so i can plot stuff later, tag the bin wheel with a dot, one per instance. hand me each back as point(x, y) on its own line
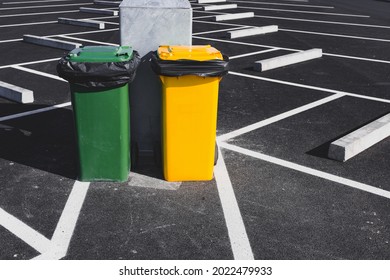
point(157, 154)
point(134, 155)
point(216, 154)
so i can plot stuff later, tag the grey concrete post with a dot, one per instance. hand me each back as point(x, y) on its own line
point(145, 25)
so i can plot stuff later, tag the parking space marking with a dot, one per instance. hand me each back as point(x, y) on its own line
point(253, 53)
point(27, 24)
point(303, 12)
point(335, 35)
point(217, 31)
point(67, 222)
point(235, 225)
point(38, 14)
point(50, 22)
point(84, 32)
point(11, 41)
point(39, 1)
point(29, 63)
point(283, 4)
point(310, 87)
point(307, 170)
point(279, 117)
point(88, 41)
point(24, 232)
point(44, 6)
point(33, 112)
point(56, 35)
point(301, 31)
point(327, 22)
point(290, 49)
point(310, 20)
point(40, 73)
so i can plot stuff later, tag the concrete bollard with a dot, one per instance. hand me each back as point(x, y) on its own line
point(145, 25)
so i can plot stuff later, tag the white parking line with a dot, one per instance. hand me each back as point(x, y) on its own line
point(289, 49)
point(24, 232)
point(310, 171)
point(84, 32)
point(252, 53)
point(86, 40)
point(53, 21)
point(40, 73)
point(311, 87)
point(45, 6)
point(235, 225)
point(283, 4)
point(33, 112)
point(216, 31)
point(29, 63)
point(299, 31)
point(303, 12)
point(309, 20)
point(40, 1)
point(38, 14)
point(67, 223)
point(279, 117)
point(55, 35)
point(27, 24)
point(327, 22)
point(335, 35)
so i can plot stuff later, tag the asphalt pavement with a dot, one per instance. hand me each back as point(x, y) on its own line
point(275, 193)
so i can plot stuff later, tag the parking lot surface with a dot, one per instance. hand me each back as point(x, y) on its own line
point(275, 194)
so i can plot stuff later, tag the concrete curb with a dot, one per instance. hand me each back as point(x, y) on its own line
point(234, 16)
point(220, 7)
point(252, 31)
point(98, 11)
point(360, 140)
point(82, 22)
point(107, 3)
point(284, 60)
point(210, 1)
point(16, 93)
point(54, 43)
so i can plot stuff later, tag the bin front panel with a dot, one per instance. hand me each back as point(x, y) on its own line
point(103, 133)
point(189, 127)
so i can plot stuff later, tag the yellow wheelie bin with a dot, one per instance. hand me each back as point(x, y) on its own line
point(190, 78)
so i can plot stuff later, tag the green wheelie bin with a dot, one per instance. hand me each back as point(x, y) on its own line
point(98, 78)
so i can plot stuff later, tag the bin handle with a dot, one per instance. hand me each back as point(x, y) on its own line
point(121, 52)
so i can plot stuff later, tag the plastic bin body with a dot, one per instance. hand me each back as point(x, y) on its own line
point(102, 120)
point(190, 105)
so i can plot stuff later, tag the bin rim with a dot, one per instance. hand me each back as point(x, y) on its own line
point(186, 67)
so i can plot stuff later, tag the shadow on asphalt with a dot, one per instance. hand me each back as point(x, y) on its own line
point(44, 141)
